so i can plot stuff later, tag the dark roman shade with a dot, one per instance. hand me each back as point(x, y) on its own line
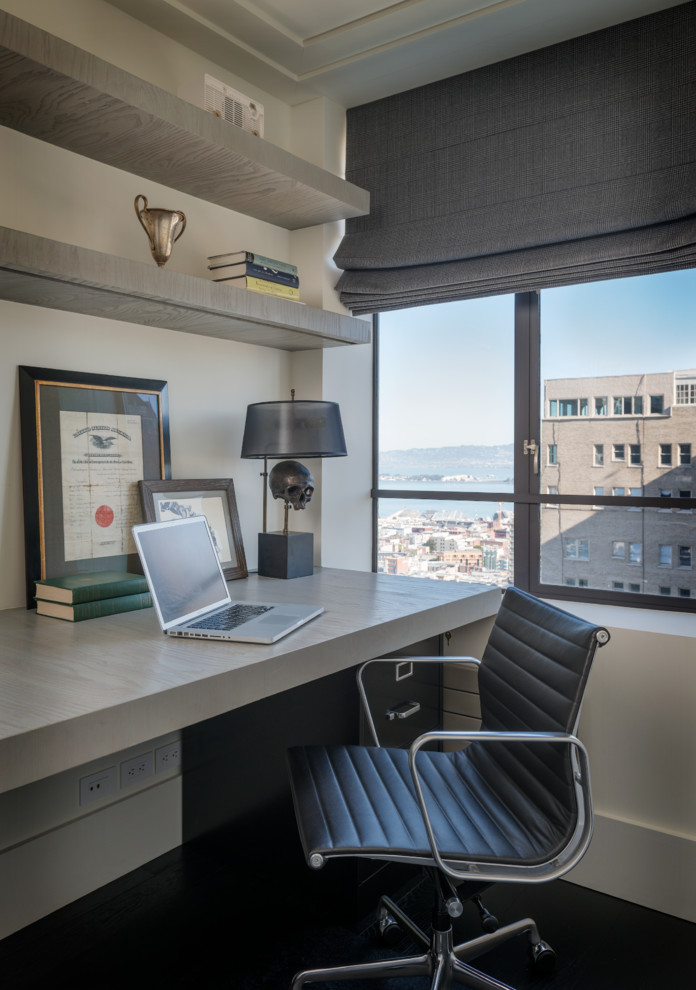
point(569, 164)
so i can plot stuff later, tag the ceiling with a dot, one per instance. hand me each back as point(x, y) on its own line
point(355, 51)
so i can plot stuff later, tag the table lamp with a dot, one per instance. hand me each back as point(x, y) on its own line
point(290, 429)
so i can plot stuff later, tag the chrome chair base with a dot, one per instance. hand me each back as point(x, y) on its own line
point(445, 963)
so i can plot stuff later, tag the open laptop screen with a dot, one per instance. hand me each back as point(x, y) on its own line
point(182, 569)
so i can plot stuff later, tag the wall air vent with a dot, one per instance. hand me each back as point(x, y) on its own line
point(233, 106)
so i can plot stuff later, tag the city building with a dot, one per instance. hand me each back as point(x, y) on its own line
point(627, 436)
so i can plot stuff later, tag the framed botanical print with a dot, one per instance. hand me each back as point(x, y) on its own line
point(213, 499)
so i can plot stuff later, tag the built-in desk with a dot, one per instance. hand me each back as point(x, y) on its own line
point(71, 693)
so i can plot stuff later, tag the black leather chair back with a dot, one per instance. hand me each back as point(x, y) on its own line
point(531, 678)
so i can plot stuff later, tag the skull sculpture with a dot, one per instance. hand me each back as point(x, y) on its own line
point(292, 482)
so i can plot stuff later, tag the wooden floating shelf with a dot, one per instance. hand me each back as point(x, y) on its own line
point(42, 272)
point(61, 94)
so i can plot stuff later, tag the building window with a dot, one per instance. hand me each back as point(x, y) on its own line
point(685, 556)
point(618, 451)
point(665, 555)
point(598, 456)
point(686, 394)
point(634, 588)
point(552, 454)
point(617, 585)
point(634, 449)
point(665, 589)
point(665, 454)
point(685, 493)
point(553, 407)
point(657, 404)
point(600, 405)
point(575, 549)
point(567, 407)
point(618, 491)
point(618, 549)
point(628, 405)
point(635, 553)
point(684, 593)
point(685, 453)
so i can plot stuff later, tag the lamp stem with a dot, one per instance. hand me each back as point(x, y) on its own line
point(265, 491)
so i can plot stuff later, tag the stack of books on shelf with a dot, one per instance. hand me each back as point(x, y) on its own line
point(87, 596)
point(247, 270)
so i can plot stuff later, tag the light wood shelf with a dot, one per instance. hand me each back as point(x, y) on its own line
point(61, 94)
point(41, 272)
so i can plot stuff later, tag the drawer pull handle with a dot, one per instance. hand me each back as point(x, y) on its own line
point(404, 710)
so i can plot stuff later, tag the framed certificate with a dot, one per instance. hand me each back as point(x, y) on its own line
point(87, 440)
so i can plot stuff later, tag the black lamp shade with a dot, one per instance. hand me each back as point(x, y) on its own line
point(296, 428)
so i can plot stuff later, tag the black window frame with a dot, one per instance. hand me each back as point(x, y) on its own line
point(527, 498)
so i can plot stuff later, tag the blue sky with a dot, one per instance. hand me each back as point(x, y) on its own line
point(447, 371)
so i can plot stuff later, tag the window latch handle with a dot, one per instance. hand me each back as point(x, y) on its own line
point(532, 447)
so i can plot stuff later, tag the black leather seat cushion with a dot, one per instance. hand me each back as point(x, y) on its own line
point(358, 799)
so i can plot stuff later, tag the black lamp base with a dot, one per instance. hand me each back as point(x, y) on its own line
point(286, 555)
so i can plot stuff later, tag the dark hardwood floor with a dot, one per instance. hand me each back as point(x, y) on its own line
point(202, 918)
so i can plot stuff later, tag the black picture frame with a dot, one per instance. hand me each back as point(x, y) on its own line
point(213, 498)
point(61, 536)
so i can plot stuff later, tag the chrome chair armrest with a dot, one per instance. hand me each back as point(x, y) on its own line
point(364, 701)
point(511, 871)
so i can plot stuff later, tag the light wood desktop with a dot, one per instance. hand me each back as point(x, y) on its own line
point(71, 693)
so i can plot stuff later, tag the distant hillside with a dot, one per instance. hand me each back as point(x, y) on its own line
point(467, 459)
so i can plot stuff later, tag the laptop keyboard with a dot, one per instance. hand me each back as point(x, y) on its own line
point(230, 618)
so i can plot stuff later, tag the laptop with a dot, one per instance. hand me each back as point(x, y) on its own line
point(191, 596)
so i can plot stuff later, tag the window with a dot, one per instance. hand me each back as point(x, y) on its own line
point(628, 405)
point(686, 394)
point(685, 453)
point(665, 589)
point(575, 549)
point(456, 453)
point(634, 587)
point(618, 549)
point(684, 592)
point(665, 556)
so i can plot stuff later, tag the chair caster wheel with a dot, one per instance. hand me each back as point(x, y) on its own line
point(390, 932)
point(543, 957)
point(490, 924)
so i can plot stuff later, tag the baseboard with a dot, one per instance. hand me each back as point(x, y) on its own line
point(644, 865)
point(53, 869)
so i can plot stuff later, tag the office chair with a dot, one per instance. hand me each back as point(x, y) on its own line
point(513, 803)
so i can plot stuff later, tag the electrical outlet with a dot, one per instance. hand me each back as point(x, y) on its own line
point(168, 757)
point(136, 769)
point(98, 785)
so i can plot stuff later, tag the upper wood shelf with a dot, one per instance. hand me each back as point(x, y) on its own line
point(42, 272)
point(61, 94)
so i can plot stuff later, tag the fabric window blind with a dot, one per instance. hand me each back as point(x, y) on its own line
point(569, 164)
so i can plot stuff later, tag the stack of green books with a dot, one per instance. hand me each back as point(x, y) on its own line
point(87, 596)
